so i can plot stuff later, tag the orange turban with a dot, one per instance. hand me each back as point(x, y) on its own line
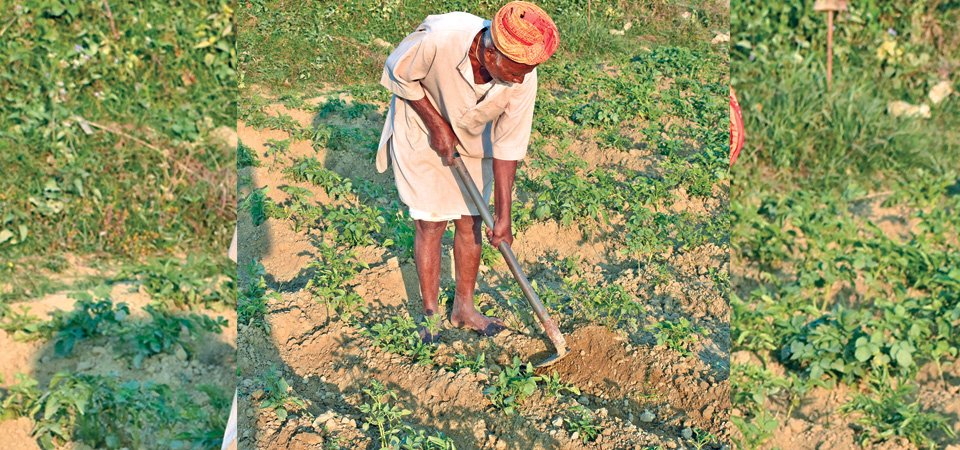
point(524, 33)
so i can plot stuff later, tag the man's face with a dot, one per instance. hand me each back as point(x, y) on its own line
point(504, 70)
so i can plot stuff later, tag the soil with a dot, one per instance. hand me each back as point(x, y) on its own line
point(641, 394)
point(213, 362)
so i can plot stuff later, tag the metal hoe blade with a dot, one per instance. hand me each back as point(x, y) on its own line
point(548, 325)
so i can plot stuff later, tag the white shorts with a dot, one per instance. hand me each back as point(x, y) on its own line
point(416, 214)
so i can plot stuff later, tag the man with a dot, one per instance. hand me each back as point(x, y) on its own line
point(462, 85)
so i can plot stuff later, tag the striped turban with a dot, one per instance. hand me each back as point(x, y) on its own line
point(524, 33)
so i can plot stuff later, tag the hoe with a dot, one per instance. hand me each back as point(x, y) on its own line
point(548, 325)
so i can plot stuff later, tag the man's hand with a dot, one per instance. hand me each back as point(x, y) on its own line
point(442, 138)
point(502, 232)
point(444, 141)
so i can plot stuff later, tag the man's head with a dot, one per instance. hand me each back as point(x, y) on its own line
point(521, 36)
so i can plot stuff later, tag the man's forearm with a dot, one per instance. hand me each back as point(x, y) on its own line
point(431, 117)
point(504, 173)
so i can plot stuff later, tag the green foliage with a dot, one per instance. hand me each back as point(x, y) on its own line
point(279, 396)
point(400, 335)
point(333, 271)
point(581, 421)
point(76, 90)
point(194, 282)
point(754, 432)
point(252, 302)
point(260, 206)
point(512, 386)
point(104, 412)
point(89, 318)
point(387, 419)
point(357, 225)
point(246, 156)
point(678, 336)
point(554, 386)
point(20, 399)
point(165, 333)
point(462, 361)
point(888, 413)
point(608, 305)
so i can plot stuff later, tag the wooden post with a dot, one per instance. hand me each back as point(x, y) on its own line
point(829, 48)
point(830, 6)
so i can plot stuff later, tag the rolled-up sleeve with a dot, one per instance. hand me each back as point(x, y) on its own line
point(408, 64)
point(511, 136)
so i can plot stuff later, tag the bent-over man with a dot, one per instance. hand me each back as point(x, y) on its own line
point(464, 85)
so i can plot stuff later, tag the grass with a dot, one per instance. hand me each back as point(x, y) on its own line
point(107, 136)
point(828, 287)
point(111, 133)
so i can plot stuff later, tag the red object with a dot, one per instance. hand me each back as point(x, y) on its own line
point(736, 128)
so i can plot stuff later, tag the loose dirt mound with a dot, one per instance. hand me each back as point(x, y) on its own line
point(639, 393)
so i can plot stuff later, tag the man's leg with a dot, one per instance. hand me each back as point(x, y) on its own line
point(466, 253)
point(426, 253)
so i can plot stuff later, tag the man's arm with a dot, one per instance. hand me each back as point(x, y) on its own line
point(504, 173)
point(442, 138)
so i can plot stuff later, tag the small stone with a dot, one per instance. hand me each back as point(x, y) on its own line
point(258, 394)
point(382, 42)
point(602, 412)
point(583, 400)
point(647, 416)
point(558, 422)
point(575, 436)
point(393, 263)
point(324, 418)
point(181, 354)
point(84, 365)
point(671, 444)
point(720, 38)
point(940, 92)
point(687, 433)
point(500, 445)
point(708, 412)
point(246, 383)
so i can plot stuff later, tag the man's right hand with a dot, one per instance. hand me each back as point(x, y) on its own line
point(444, 141)
point(442, 138)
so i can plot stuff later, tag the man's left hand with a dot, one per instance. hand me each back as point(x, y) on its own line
point(501, 232)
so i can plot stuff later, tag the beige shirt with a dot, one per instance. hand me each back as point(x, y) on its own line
point(432, 62)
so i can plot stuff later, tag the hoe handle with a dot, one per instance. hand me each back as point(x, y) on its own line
point(548, 325)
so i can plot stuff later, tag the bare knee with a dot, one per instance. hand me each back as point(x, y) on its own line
point(427, 228)
point(468, 227)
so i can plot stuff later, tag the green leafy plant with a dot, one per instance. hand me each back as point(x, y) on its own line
point(462, 361)
point(400, 335)
point(677, 336)
point(164, 333)
point(89, 318)
point(383, 415)
point(887, 412)
point(252, 302)
point(278, 395)
point(333, 271)
point(581, 421)
point(512, 386)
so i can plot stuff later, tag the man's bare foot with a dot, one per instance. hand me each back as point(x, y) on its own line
point(473, 320)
